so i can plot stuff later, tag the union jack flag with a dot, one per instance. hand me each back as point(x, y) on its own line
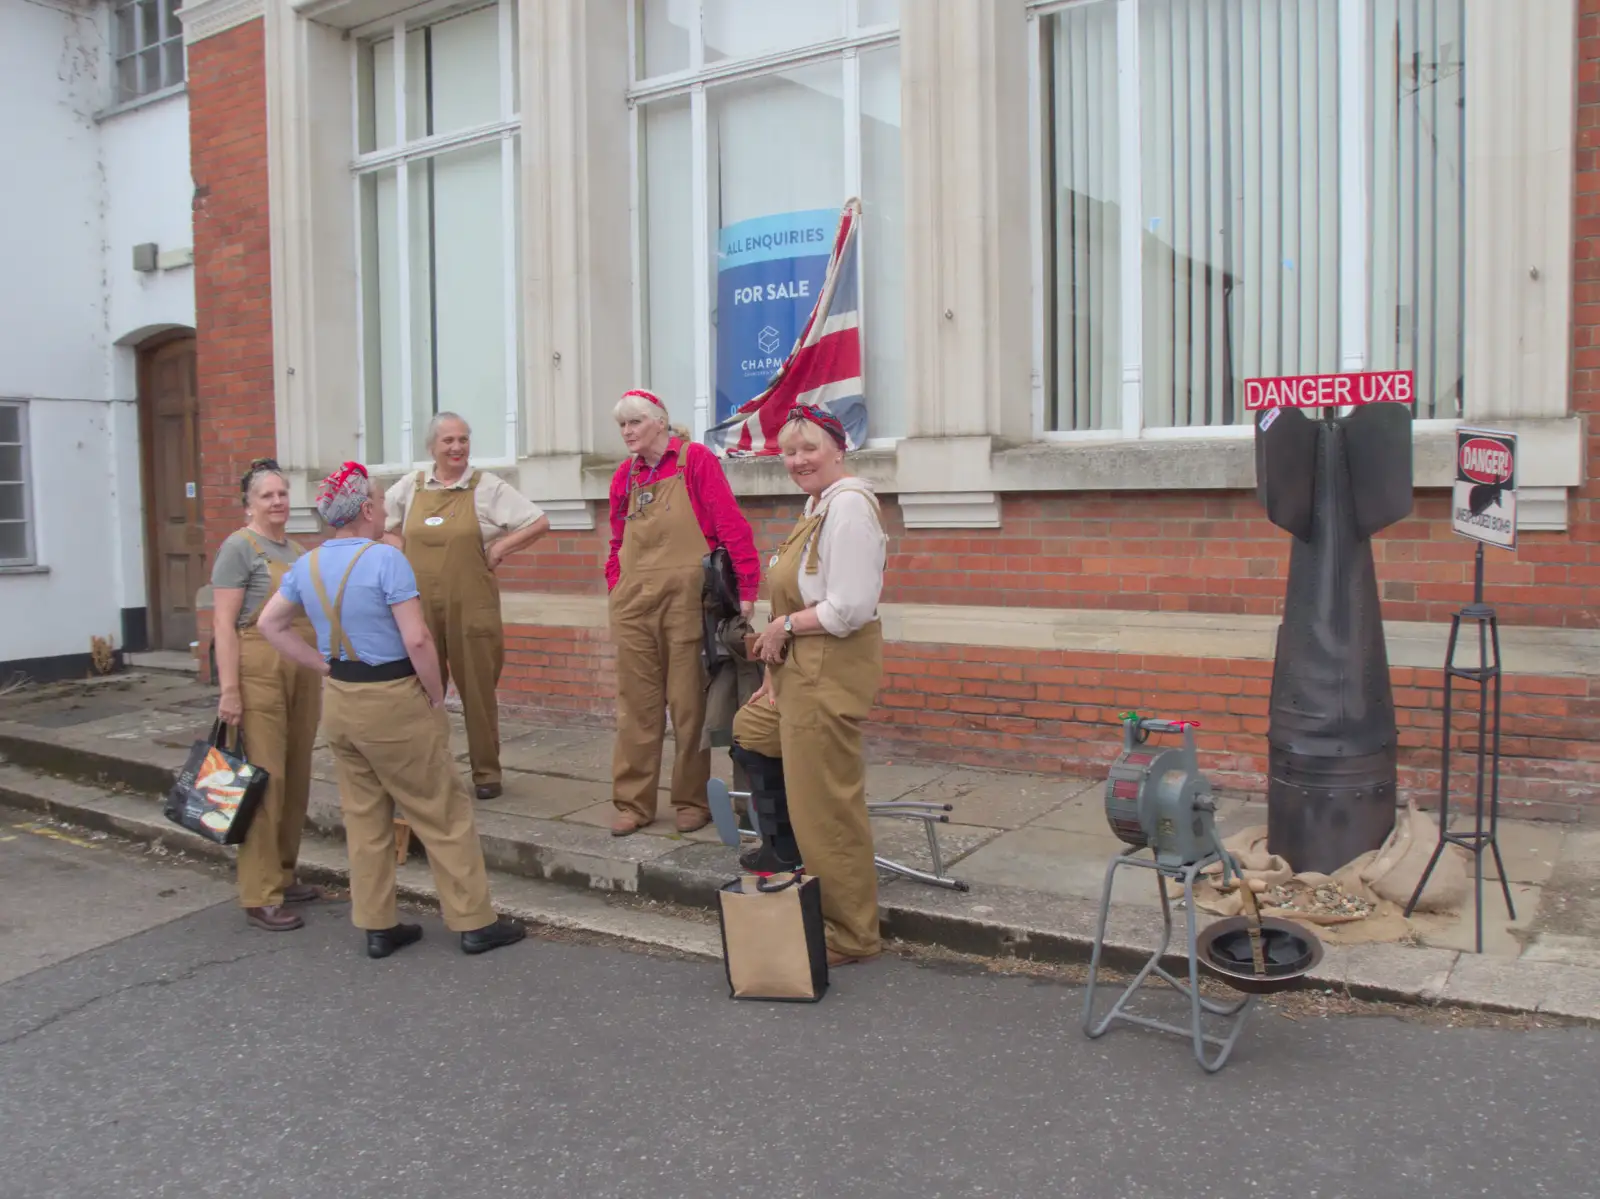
point(823, 368)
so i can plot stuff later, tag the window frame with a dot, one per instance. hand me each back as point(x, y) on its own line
point(30, 542)
point(169, 32)
point(692, 82)
point(1355, 225)
point(506, 130)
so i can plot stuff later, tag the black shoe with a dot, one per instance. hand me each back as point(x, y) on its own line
point(381, 942)
point(489, 791)
point(766, 860)
point(504, 931)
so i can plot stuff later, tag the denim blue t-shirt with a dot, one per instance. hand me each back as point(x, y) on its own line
point(382, 577)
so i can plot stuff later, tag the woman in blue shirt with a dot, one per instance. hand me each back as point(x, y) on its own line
point(383, 716)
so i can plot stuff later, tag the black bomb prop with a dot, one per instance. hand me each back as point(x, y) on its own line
point(1331, 735)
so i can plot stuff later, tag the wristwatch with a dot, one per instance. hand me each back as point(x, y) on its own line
point(788, 626)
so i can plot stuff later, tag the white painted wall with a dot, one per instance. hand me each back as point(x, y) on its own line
point(82, 188)
point(52, 315)
point(148, 198)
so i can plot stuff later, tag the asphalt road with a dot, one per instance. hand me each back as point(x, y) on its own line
point(150, 1045)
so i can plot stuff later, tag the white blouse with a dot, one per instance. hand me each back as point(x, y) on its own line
point(850, 557)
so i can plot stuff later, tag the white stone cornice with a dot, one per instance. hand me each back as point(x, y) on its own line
point(207, 18)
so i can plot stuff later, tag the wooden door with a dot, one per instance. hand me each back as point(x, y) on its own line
point(174, 536)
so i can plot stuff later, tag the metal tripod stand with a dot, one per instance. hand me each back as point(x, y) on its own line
point(733, 833)
point(1486, 674)
point(1235, 1012)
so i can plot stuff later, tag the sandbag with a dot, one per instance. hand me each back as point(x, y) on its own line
point(1394, 870)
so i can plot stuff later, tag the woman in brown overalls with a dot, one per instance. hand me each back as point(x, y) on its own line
point(274, 703)
point(456, 526)
point(824, 649)
point(670, 505)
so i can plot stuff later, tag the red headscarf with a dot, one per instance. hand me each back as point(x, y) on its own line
point(342, 493)
point(822, 418)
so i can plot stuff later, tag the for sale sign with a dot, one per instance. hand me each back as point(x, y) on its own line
point(1329, 391)
point(1485, 507)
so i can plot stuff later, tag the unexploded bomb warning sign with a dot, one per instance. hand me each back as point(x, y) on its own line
point(1330, 391)
point(1485, 507)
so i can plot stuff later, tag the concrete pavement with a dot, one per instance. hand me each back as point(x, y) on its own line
point(1032, 847)
point(199, 1058)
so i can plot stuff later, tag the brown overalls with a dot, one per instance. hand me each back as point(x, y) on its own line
point(391, 746)
point(825, 689)
point(282, 704)
point(656, 627)
point(461, 602)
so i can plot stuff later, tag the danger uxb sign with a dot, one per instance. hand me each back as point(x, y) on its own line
point(1330, 391)
point(1485, 507)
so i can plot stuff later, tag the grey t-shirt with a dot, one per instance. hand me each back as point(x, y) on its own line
point(239, 565)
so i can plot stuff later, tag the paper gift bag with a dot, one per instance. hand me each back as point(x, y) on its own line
point(218, 791)
point(772, 942)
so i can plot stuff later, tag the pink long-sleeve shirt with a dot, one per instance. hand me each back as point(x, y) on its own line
point(711, 498)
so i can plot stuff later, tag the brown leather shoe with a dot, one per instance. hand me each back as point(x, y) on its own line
point(303, 893)
point(835, 958)
point(273, 919)
point(690, 819)
point(625, 824)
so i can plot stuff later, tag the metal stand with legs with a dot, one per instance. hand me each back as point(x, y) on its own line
point(1486, 674)
point(1198, 1006)
point(733, 832)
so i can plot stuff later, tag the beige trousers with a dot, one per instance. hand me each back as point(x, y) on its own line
point(825, 690)
point(392, 747)
point(282, 703)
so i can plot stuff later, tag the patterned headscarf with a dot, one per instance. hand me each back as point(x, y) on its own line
point(823, 419)
point(342, 494)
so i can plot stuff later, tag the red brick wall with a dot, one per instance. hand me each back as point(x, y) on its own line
point(233, 265)
point(1217, 553)
point(1056, 712)
point(1168, 552)
point(1044, 710)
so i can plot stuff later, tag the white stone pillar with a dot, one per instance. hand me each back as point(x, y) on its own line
point(310, 138)
point(968, 308)
point(1521, 81)
point(577, 296)
point(1521, 91)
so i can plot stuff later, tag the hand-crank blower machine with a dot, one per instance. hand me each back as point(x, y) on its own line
point(1157, 800)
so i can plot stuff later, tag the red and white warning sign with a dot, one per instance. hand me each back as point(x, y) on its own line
point(1330, 391)
point(1485, 507)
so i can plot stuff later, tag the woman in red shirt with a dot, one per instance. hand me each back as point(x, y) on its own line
point(670, 506)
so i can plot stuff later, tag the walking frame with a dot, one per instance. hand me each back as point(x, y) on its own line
point(931, 815)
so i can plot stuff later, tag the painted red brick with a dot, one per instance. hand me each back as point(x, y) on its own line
point(233, 265)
